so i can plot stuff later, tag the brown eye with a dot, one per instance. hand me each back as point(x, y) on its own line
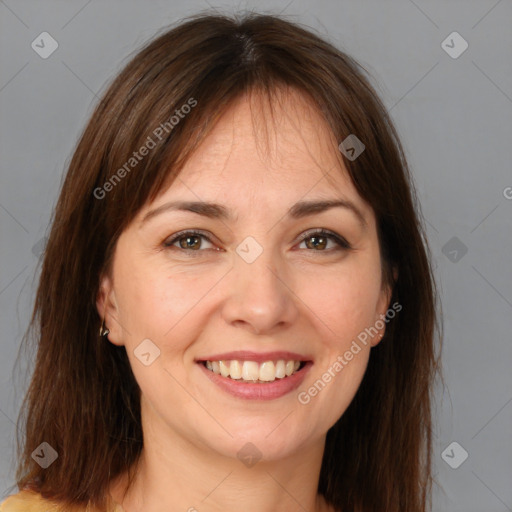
point(188, 241)
point(316, 242)
point(319, 240)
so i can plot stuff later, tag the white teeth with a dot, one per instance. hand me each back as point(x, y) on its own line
point(268, 371)
point(215, 367)
point(235, 370)
point(251, 371)
point(224, 369)
point(280, 369)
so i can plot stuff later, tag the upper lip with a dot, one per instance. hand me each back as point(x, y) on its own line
point(259, 357)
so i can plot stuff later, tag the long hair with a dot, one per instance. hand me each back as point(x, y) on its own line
point(83, 399)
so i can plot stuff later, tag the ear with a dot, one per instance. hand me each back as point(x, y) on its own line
point(382, 308)
point(106, 305)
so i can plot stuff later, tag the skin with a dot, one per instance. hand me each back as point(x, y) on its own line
point(314, 301)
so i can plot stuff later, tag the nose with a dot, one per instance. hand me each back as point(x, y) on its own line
point(260, 297)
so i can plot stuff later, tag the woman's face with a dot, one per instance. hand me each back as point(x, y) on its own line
point(257, 287)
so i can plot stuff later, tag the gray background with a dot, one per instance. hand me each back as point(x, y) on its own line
point(454, 117)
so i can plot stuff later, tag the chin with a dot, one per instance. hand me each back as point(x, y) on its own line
point(263, 441)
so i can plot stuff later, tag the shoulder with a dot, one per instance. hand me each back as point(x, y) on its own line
point(27, 501)
point(32, 501)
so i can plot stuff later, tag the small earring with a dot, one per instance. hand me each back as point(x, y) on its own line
point(103, 330)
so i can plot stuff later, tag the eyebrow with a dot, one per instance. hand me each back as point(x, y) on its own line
point(217, 211)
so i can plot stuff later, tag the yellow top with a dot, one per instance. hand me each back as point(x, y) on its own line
point(31, 501)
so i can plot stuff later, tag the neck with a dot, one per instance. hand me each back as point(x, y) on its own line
point(175, 474)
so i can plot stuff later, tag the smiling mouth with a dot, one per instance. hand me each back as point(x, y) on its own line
point(254, 372)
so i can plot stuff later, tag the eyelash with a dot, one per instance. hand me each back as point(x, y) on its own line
point(340, 241)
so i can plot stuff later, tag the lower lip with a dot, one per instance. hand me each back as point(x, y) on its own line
point(256, 391)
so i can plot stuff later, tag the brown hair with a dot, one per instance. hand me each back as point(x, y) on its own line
point(83, 399)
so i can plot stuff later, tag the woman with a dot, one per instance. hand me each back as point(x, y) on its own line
point(236, 308)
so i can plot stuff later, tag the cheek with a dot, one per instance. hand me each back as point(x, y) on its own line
point(154, 300)
point(344, 307)
point(344, 303)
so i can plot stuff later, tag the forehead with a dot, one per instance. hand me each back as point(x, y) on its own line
point(270, 150)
